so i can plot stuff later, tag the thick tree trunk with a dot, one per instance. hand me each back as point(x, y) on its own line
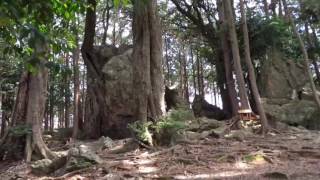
point(230, 84)
point(252, 77)
point(147, 61)
point(37, 89)
point(96, 113)
point(236, 55)
point(156, 62)
point(222, 84)
point(141, 60)
point(29, 111)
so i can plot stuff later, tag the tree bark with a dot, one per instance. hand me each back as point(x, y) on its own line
point(252, 77)
point(266, 8)
point(76, 90)
point(96, 112)
point(168, 75)
point(230, 84)
point(193, 71)
point(37, 89)
point(105, 21)
point(67, 94)
point(147, 61)
point(236, 55)
point(312, 44)
point(156, 61)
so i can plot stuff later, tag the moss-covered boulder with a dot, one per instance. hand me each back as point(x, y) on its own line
point(297, 112)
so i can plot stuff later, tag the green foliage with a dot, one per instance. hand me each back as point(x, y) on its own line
point(165, 129)
point(20, 130)
point(142, 131)
point(271, 33)
point(30, 28)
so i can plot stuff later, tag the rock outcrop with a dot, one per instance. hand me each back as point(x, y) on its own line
point(119, 84)
point(283, 87)
point(202, 108)
point(281, 78)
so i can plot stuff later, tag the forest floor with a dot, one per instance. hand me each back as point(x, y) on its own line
point(294, 154)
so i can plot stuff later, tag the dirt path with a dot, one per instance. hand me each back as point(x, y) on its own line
point(291, 155)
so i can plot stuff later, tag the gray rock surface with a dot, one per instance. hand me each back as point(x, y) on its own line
point(296, 112)
point(281, 77)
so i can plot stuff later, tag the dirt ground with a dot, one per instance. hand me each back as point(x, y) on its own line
point(294, 154)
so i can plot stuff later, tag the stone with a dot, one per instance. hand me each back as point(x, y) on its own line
point(172, 98)
point(119, 101)
point(281, 77)
point(201, 108)
point(47, 166)
point(81, 157)
point(296, 112)
point(208, 124)
point(189, 135)
point(41, 166)
point(106, 142)
point(239, 135)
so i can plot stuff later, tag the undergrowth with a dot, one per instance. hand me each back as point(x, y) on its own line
point(164, 130)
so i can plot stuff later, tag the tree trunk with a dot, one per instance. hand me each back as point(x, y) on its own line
point(168, 75)
point(230, 84)
point(147, 61)
point(105, 21)
point(252, 77)
point(185, 77)
point(312, 49)
point(67, 94)
point(1, 114)
point(200, 86)
point(266, 8)
point(76, 90)
point(236, 55)
point(51, 103)
point(37, 89)
point(96, 112)
point(141, 60)
point(156, 60)
point(305, 55)
point(193, 71)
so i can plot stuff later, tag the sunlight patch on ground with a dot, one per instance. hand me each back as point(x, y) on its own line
point(224, 174)
point(242, 165)
point(145, 169)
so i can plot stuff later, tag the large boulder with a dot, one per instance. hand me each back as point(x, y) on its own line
point(280, 77)
point(295, 112)
point(119, 84)
point(201, 108)
point(173, 99)
point(286, 96)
